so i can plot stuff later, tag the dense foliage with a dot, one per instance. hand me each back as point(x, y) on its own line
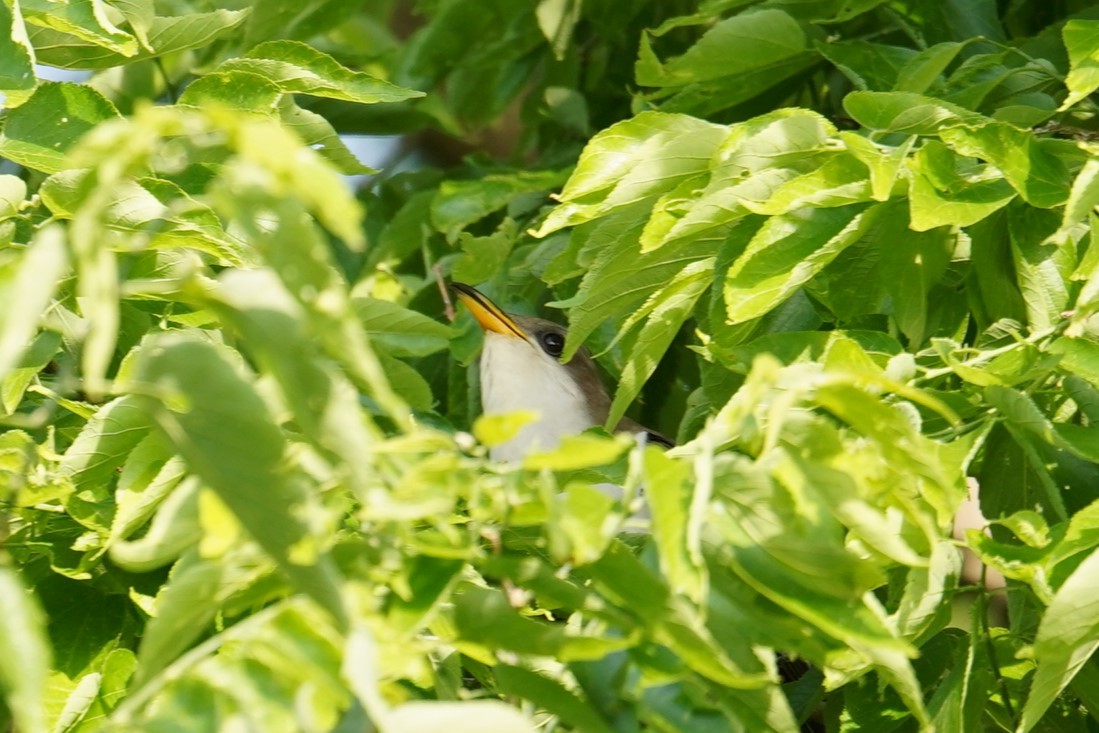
point(841, 249)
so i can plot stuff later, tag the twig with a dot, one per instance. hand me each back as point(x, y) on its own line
point(448, 304)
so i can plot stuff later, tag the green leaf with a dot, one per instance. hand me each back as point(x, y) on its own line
point(557, 19)
point(103, 444)
point(430, 581)
point(294, 67)
point(1067, 636)
point(14, 386)
point(474, 716)
point(950, 190)
point(494, 430)
point(885, 163)
point(1079, 356)
point(24, 653)
point(905, 112)
point(786, 253)
point(1082, 42)
point(17, 80)
point(577, 451)
point(303, 20)
point(581, 525)
point(323, 401)
point(222, 428)
point(175, 528)
point(923, 70)
point(83, 19)
point(186, 605)
point(238, 89)
point(620, 279)
point(912, 263)
point(316, 132)
point(148, 476)
point(27, 284)
point(457, 204)
point(550, 695)
point(153, 212)
point(484, 617)
point(38, 133)
point(732, 47)
point(1084, 196)
point(678, 505)
point(1033, 168)
point(165, 35)
point(742, 181)
point(1042, 266)
point(399, 330)
point(483, 257)
point(869, 66)
point(667, 310)
point(631, 160)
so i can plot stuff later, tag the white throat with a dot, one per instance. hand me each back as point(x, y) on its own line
point(517, 375)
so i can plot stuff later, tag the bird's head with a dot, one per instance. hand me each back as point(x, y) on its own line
point(521, 369)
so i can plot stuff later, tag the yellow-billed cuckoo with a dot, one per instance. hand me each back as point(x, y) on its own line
point(521, 369)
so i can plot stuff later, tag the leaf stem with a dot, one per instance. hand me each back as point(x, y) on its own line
point(987, 355)
point(986, 632)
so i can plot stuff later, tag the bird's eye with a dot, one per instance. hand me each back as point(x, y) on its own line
point(553, 343)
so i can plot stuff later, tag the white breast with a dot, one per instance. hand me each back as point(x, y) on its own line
point(517, 375)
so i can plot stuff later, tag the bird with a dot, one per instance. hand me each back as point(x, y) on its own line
point(521, 370)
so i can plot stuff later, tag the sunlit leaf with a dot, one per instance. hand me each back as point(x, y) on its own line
point(1067, 636)
point(17, 79)
point(1082, 42)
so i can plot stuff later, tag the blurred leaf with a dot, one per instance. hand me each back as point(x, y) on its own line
point(550, 695)
point(24, 653)
point(498, 429)
point(219, 424)
point(154, 209)
point(477, 716)
point(186, 605)
point(577, 451)
point(26, 286)
point(484, 617)
point(148, 476)
point(678, 507)
point(174, 529)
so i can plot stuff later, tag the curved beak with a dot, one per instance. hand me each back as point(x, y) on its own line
point(488, 315)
